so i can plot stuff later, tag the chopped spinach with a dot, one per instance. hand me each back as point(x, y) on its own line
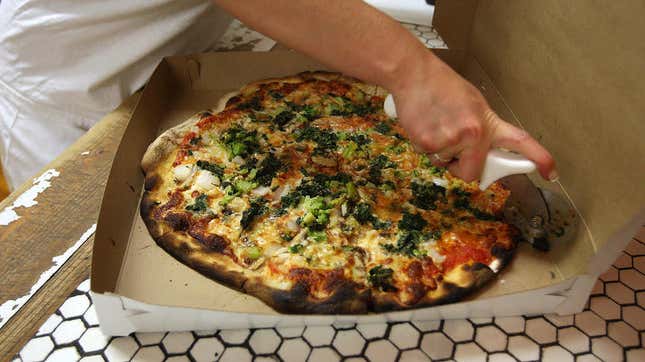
point(296, 248)
point(325, 140)
point(283, 118)
point(276, 95)
point(406, 244)
point(383, 128)
point(199, 205)
point(254, 104)
point(412, 222)
point(257, 208)
point(376, 165)
point(363, 214)
point(213, 168)
point(425, 195)
point(267, 170)
point(381, 277)
point(195, 140)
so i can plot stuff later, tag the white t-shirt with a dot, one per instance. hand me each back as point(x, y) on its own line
point(64, 64)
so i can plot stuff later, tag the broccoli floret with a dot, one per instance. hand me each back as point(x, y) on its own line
point(425, 195)
point(240, 142)
point(406, 244)
point(256, 209)
point(296, 249)
point(381, 278)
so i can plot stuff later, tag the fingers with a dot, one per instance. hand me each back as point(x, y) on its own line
point(470, 163)
point(517, 140)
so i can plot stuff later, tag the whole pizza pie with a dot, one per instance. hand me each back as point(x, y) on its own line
point(302, 192)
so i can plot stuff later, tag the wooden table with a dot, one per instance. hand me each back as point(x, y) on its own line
point(64, 212)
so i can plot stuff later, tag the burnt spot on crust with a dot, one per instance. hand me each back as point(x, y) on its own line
point(502, 254)
point(177, 220)
point(152, 180)
point(346, 298)
point(212, 242)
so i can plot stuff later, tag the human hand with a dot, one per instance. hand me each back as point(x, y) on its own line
point(448, 118)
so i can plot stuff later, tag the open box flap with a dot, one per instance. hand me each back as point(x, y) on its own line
point(572, 73)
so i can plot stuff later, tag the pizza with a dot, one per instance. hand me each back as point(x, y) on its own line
point(302, 192)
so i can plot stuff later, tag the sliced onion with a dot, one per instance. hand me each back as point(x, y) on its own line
point(182, 172)
point(261, 191)
point(440, 182)
point(237, 159)
point(292, 225)
point(206, 180)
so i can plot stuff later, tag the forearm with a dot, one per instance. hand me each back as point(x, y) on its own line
point(347, 35)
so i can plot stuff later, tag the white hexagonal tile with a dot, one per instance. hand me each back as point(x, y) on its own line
point(264, 341)
point(183, 358)
point(323, 354)
point(623, 333)
point(556, 353)
point(636, 355)
point(633, 279)
point(50, 324)
point(639, 263)
point(635, 316)
point(523, 348)
point(206, 333)
point(147, 339)
point(501, 357)
point(540, 330)
point(469, 352)
point(178, 342)
point(491, 338)
point(481, 321)
point(207, 349)
point(598, 288)
point(427, 326)
point(611, 275)
point(37, 349)
point(93, 340)
point(68, 331)
point(84, 286)
point(93, 358)
point(236, 354)
point(74, 306)
point(460, 330)
point(623, 261)
point(436, 345)
point(341, 324)
point(290, 332)
point(381, 350)
point(573, 339)
point(510, 324)
point(64, 355)
point(149, 354)
point(619, 293)
point(414, 355)
point(319, 335)
point(349, 342)
point(606, 349)
point(588, 357)
point(372, 330)
point(294, 350)
point(590, 323)
point(404, 336)
point(90, 316)
point(356, 359)
point(560, 320)
point(234, 336)
point(121, 349)
point(605, 307)
point(265, 359)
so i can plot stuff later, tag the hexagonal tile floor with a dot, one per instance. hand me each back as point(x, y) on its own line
point(612, 327)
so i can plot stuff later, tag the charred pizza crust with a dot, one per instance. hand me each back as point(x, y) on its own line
point(188, 240)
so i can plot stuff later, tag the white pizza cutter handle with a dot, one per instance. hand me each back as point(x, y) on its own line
point(499, 163)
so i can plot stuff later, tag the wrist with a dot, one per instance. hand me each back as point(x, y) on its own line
point(412, 69)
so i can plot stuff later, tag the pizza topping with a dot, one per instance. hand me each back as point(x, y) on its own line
point(311, 183)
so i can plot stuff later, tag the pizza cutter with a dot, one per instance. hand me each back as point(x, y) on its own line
point(526, 208)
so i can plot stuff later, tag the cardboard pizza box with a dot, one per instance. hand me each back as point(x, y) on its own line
point(539, 64)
